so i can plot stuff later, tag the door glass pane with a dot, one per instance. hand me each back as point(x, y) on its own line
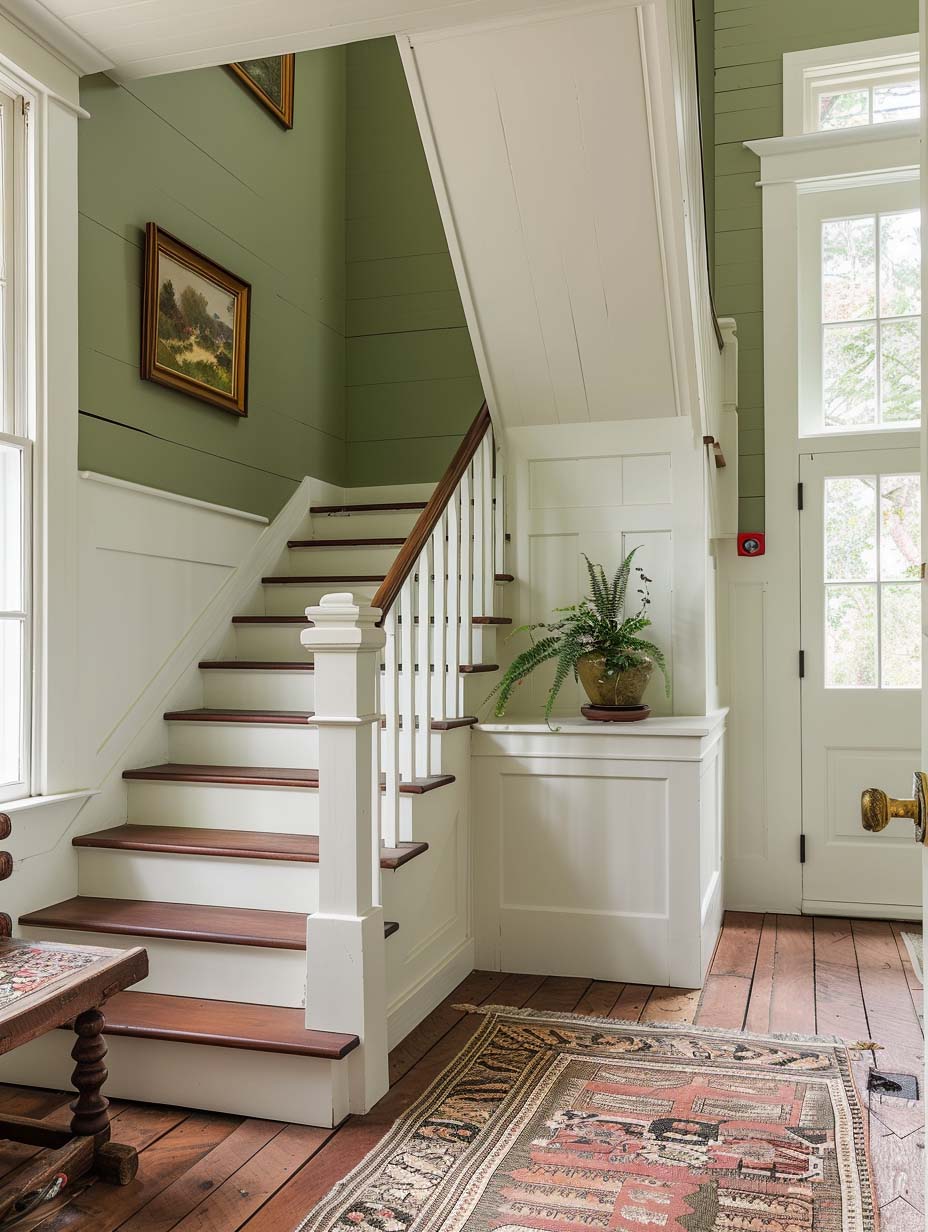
point(844, 108)
point(900, 264)
point(850, 528)
point(900, 618)
point(851, 637)
point(11, 533)
point(899, 101)
point(900, 527)
point(849, 375)
point(11, 707)
point(849, 269)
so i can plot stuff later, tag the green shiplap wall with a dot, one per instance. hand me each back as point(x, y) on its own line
point(195, 153)
point(750, 39)
point(412, 383)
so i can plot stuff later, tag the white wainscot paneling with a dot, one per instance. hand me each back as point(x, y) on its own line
point(598, 852)
point(151, 563)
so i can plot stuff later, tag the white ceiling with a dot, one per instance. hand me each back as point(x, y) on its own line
point(141, 38)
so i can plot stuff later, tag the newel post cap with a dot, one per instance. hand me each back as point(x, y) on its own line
point(341, 624)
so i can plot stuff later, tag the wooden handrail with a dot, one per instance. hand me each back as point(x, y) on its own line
point(420, 534)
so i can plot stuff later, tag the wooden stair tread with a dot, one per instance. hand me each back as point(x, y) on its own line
point(260, 776)
point(471, 669)
point(129, 917)
point(491, 620)
point(226, 1024)
point(257, 665)
point(367, 508)
point(395, 542)
point(285, 579)
point(203, 714)
point(241, 844)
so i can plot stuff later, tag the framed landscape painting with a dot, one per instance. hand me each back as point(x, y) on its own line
point(270, 79)
point(195, 318)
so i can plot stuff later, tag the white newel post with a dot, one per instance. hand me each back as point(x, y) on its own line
point(345, 960)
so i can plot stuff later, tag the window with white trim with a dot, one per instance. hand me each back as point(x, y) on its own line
point(16, 430)
point(851, 86)
point(860, 307)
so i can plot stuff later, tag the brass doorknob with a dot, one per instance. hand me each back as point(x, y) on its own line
point(877, 809)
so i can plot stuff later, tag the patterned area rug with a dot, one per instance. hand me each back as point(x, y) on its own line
point(25, 968)
point(557, 1123)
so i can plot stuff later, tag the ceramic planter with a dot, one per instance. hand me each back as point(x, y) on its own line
point(614, 688)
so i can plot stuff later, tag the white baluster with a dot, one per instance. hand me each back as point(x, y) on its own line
point(345, 958)
point(390, 807)
point(467, 575)
point(452, 709)
point(479, 599)
point(487, 555)
point(499, 518)
point(424, 658)
point(407, 679)
point(440, 610)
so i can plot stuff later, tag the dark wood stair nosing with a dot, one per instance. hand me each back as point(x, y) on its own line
point(195, 1020)
point(266, 930)
point(255, 665)
point(273, 718)
point(301, 544)
point(231, 844)
point(259, 776)
point(285, 579)
point(387, 507)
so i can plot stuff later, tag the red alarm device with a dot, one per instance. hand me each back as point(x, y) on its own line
point(752, 543)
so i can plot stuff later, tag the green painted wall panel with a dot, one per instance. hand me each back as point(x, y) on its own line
point(412, 380)
point(751, 37)
point(195, 153)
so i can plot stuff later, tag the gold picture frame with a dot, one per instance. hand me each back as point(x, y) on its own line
point(270, 79)
point(195, 323)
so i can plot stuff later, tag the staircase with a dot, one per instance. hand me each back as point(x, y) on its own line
point(220, 860)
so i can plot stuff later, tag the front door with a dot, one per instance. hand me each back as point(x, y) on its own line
point(861, 695)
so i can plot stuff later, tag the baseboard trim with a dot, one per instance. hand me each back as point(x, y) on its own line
point(406, 1013)
point(863, 911)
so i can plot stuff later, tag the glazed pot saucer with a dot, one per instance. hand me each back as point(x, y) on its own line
point(615, 714)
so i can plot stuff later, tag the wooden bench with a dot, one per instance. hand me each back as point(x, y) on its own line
point(44, 986)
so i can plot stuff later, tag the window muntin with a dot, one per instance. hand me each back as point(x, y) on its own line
point(860, 308)
point(872, 538)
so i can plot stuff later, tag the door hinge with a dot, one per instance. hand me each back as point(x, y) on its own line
point(802, 849)
point(798, 495)
point(802, 664)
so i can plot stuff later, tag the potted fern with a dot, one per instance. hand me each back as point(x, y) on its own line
point(600, 643)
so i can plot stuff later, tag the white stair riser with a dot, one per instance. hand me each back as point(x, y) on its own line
point(244, 744)
point(219, 972)
point(382, 524)
point(223, 806)
point(270, 643)
point(486, 639)
point(301, 1090)
point(293, 600)
point(342, 560)
point(258, 690)
point(212, 881)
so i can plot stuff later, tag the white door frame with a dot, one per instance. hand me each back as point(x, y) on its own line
point(763, 858)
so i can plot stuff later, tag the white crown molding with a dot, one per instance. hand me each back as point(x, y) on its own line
point(34, 19)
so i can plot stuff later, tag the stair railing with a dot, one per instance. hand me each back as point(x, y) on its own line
point(419, 630)
point(443, 576)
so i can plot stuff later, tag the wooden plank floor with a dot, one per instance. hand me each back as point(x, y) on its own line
point(205, 1172)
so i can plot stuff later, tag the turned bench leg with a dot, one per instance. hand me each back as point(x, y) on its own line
point(114, 1163)
point(91, 1118)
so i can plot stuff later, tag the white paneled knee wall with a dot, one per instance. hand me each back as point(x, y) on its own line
point(599, 848)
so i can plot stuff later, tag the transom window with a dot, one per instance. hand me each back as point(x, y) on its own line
point(851, 85)
point(860, 309)
point(872, 587)
point(856, 103)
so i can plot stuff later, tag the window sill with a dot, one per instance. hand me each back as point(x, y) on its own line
point(31, 804)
